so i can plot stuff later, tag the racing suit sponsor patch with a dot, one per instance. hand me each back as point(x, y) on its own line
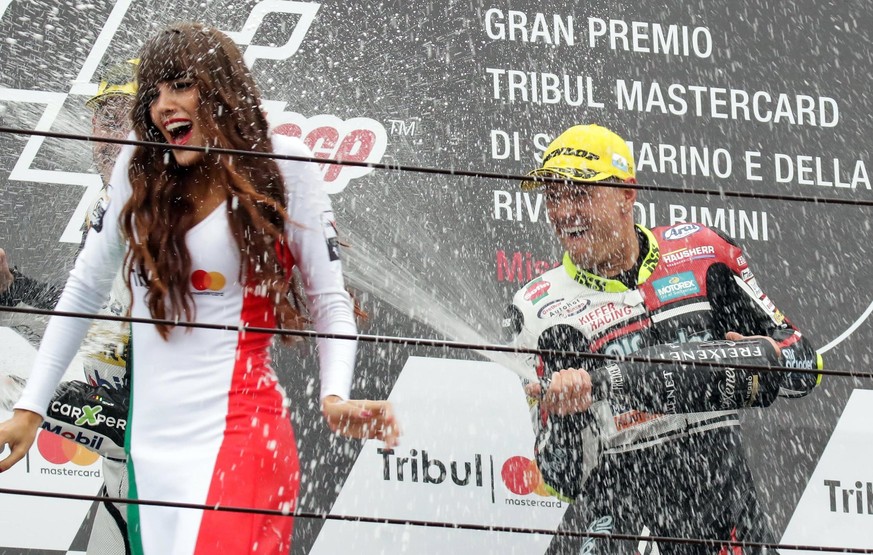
point(602, 525)
point(99, 212)
point(328, 224)
point(537, 290)
point(676, 286)
point(563, 309)
point(681, 231)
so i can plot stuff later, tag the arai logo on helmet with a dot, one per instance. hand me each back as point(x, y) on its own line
point(681, 231)
point(355, 139)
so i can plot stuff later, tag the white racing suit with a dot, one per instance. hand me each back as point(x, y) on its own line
point(91, 412)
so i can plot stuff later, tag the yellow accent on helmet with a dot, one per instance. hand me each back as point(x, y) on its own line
point(585, 153)
point(119, 80)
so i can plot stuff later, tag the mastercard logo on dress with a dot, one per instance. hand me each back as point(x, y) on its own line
point(208, 283)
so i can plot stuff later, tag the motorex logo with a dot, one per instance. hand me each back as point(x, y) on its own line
point(676, 286)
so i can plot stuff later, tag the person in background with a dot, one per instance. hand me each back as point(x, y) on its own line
point(104, 352)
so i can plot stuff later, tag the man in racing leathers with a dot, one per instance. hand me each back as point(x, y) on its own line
point(641, 448)
point(92, 413)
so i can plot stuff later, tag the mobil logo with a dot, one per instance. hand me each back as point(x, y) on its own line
point(67, 447)
point(329, 137)
point(201, 280)
point(521, 476)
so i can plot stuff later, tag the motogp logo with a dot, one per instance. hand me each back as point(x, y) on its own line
point(355, 139)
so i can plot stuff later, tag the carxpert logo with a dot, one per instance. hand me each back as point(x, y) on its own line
point(355, 139)
point(521, 483)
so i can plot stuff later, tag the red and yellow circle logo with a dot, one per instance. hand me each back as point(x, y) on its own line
point(58, 450)
point(203, 280)
point(522, 477)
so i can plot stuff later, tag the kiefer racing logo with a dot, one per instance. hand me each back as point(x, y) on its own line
point(329, 137)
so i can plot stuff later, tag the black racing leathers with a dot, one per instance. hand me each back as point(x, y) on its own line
point(659, 453)
point(25, 290)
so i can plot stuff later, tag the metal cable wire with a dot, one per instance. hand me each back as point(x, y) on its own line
point(427, 342)
point(442, 343)
point(443, 171)
point(439, 524)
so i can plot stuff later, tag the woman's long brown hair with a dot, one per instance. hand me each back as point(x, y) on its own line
point(160, 211)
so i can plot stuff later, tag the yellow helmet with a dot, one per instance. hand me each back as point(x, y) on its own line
point(587, 153)
point(119, 80)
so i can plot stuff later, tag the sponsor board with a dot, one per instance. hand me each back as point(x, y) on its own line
point(836, 508)
point(54, 464)
point(452, 466)
point(356, 139)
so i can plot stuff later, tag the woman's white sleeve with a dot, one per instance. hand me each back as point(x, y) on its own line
point(87, 287)
point(313, 241)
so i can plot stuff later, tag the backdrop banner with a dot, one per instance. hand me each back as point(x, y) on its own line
point(750, 96)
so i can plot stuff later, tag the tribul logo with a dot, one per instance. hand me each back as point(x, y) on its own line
point(58, 449)
point(202, 280)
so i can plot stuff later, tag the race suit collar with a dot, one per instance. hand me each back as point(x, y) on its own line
point(647, 262)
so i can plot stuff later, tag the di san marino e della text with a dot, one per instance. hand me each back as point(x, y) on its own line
point(689, 99)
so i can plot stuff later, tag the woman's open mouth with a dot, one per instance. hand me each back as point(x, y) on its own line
point(180, 130)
